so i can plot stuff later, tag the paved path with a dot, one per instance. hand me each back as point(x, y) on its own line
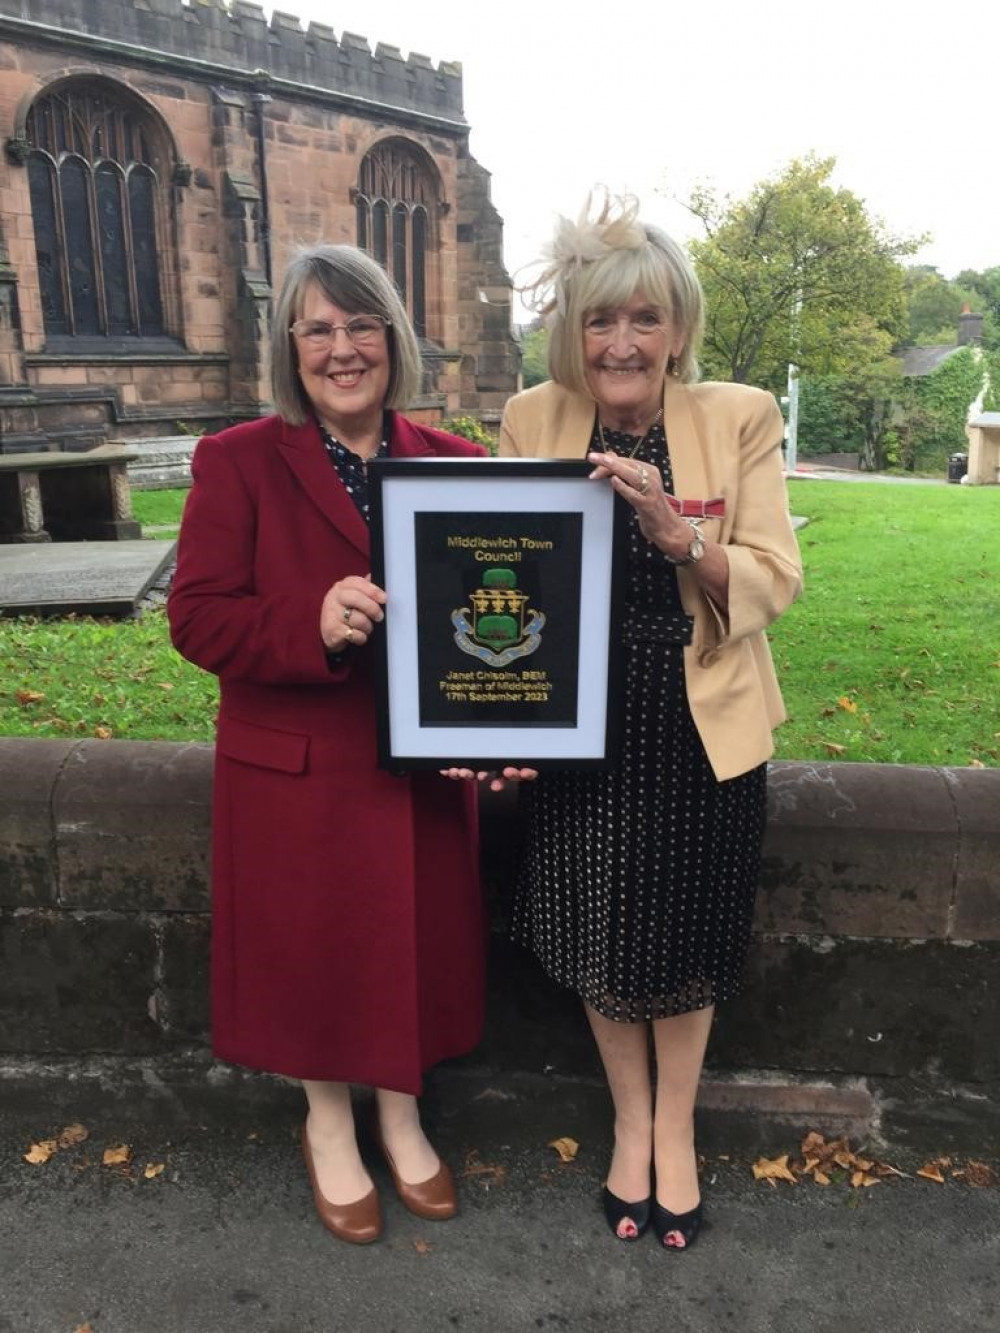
point(225, 1239)
point(806, 472)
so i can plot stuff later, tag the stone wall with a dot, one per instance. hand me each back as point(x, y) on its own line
point(875, 963)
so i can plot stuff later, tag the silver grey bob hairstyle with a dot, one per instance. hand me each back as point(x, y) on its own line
point(601, 261)
point(358, 285)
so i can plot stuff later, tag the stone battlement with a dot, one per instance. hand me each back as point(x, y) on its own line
point(235, 40)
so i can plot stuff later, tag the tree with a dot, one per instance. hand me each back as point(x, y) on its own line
point(535, 356)
point(797, 272)
point(824, 426)
point(935, 304)
point(987, 286)
point(868, 396)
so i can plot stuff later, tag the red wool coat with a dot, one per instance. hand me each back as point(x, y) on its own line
point(348, 932)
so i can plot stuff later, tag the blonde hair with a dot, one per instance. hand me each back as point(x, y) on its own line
point(353, 281)
point(600, 261)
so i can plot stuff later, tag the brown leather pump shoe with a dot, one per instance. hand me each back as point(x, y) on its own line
point(359, 1222)
point(434, 1199)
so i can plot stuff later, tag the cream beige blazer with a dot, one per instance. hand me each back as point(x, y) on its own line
point(723, 439)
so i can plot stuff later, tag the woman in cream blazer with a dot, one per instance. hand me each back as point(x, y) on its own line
point(724, 440)
point(636, 884)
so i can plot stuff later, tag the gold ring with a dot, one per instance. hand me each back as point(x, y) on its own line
point(350, 635)
point(643, 481)
point(348, 610)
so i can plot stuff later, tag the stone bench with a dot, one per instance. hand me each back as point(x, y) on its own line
point(67, 497)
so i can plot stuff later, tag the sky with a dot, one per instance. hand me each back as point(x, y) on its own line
point(654, 99)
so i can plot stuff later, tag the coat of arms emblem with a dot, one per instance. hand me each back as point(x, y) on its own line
point(499, 626)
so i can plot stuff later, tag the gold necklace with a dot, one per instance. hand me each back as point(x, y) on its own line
point(652, 426)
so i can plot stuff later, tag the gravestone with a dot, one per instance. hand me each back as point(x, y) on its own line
point(88, 578)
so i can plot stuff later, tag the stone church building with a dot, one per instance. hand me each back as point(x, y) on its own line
point(161, 162)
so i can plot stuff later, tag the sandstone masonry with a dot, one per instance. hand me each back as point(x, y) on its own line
point(249, 139)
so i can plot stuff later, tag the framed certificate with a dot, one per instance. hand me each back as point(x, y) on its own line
point(497, 645)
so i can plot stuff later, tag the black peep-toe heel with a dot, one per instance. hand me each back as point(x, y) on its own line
point(616, 1210)
point(687, 1224)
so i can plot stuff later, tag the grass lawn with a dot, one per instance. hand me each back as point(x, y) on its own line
point(892, 655)
point(159, 509)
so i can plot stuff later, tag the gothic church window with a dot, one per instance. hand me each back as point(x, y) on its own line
point(396, 204)
point(97, 174)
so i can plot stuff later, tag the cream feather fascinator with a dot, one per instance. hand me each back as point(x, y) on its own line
point(606, 223)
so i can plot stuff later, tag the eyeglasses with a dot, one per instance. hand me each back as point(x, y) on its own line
point(603, 324)
point(361, 331)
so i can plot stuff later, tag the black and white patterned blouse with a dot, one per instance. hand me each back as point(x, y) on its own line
point(351, 469)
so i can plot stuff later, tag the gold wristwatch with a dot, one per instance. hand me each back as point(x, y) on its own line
point(694, 552)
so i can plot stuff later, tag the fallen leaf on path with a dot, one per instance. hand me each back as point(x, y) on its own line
point(979, 1174)
point(832, 747)
point(41, 1152)
point(103, 733)
point(28, 697)
point(153, 1169)
point(848, 705)
point(73, 1134)
point(83, 1328)
point(117, 1156)
point(860, 1179)
point(423, 1246)
point(931, 1171)
point(813, 1143)
point(490, 1173)
point(773, 1169)
point(566, 1148)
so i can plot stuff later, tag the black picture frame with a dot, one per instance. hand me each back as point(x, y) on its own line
point(473, 669)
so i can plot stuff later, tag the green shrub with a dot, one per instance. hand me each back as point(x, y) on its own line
point(827, 425)
point(535, 357)
point(470, 429)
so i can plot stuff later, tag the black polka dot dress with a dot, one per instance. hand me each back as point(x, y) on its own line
point(636, 884)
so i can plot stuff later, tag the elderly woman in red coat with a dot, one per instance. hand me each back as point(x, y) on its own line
point(348, 930)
